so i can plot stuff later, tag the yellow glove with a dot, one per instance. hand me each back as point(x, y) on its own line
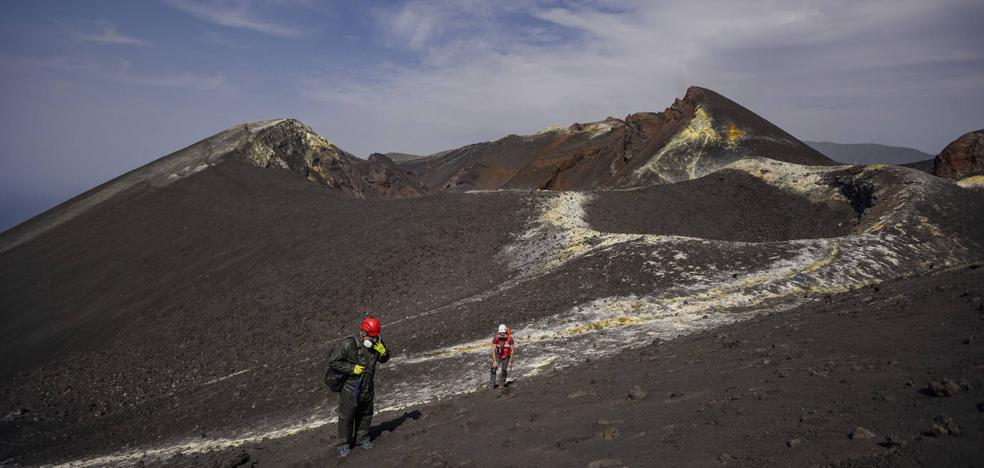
point(358, 369)
point(379, 348)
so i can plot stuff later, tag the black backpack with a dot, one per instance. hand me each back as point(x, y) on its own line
point(333, 379)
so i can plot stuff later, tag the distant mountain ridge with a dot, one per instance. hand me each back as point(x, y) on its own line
point(869, 153)
point(278, 143)
point(696, 135)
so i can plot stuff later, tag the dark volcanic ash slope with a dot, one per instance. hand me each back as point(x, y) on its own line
point(716, 207)
point(282, 143)
point(122, 325)
point(196, 316)
point(785, 389)
point(695, 136)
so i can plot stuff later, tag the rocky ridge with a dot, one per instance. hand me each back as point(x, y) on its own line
point(279, 143)
point(696, 135)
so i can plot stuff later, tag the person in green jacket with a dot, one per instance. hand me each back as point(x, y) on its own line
point(358, 360)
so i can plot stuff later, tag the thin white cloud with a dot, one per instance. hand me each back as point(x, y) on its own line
point(120, 72)
point(109, 35)
point(476, 72)
point(414, 24)
point(234, 14)
point(187, 80)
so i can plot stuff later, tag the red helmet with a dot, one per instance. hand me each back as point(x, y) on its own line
point(371, 326)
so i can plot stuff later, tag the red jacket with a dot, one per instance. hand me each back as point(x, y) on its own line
point(503, 347)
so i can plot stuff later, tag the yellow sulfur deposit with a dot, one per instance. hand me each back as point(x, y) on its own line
point(972, 182)
point(734, 135)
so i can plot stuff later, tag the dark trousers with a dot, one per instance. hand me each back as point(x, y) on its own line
point(503, 369)
point(354, 419)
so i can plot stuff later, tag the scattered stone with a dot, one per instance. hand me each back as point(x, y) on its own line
point(943, 388)
point(15, 414)
point(882, 396)
point(675, 395)
point(609, 433)
point(891, 443)
point(936, 430)
point(577, 394)
point(793, 442)
point(862, 433)
point(815, 372)
point(636, 393)
point(606, 463)
point(943, 425)
point(235, 460)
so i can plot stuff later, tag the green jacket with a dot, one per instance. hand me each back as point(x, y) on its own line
point(352, 352)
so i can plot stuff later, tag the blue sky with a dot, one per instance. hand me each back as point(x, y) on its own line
point(93, 89)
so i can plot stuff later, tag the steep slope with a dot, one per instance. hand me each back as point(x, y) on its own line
point(869, 153)
point(695, 136)
point(282, 143)
point(777, 390)
point(162, 294)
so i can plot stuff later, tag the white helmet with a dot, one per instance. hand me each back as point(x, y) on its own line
point(502, 328)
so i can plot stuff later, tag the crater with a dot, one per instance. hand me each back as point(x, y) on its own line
point(727, 205)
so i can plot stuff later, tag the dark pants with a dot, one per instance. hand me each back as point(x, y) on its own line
point(354, 419)
point(503, 367)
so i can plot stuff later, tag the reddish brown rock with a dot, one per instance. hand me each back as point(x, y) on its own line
point(962, 158)
point(696, 135)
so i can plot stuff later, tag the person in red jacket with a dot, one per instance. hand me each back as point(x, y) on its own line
point(503, 353)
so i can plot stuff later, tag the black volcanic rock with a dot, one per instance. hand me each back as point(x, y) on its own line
point(291, 144)
point(962, 158)
point(387, 180)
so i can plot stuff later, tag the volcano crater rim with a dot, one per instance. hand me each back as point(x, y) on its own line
point(727, 205)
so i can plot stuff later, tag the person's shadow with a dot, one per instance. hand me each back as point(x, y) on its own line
point(393, 424)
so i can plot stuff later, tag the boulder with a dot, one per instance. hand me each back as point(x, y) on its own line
point(962, 158)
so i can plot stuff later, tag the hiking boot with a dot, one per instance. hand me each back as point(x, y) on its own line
point(367, 445)
point(344, 451)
